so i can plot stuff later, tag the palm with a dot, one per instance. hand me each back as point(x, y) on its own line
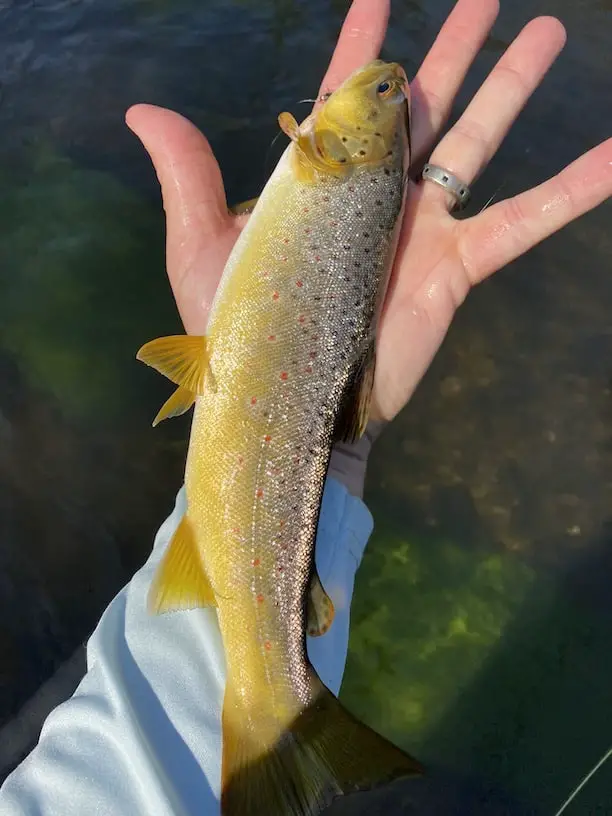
point(439, 258)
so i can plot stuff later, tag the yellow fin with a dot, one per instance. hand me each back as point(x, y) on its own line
point(180, 402)
point(245, 207)
point(320, 608)
point(323, 752)
point(308, 156)
point(180, 581)
point(289, 126)
point(181, 358)
point(353, 417)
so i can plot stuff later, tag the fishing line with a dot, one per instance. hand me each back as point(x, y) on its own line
point(490, 201)
point(577, 790)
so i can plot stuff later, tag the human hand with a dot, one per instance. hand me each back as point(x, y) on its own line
point(439, 258)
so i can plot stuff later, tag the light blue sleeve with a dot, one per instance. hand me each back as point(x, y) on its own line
point(142, 734)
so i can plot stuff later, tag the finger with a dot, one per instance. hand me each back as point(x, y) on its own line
point(191, 183)
point(444, 68)
point(472, 141)
point(359, 42)
point(506, 230)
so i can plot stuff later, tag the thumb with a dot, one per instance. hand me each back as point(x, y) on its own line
point(191, 184)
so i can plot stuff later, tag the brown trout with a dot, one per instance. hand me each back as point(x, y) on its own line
point(286, 369)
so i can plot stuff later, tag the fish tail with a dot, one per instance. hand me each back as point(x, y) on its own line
point(325, 753)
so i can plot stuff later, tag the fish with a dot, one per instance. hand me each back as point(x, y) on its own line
point(286, 369)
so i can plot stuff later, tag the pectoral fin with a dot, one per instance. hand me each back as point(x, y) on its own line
point(309, 158)
point(180, 581)
point(181, 358)
point(353, 417)
point(180, 402)
point(320, 608)
point(289, 126)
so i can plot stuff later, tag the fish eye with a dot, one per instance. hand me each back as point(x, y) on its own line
point(383, 87)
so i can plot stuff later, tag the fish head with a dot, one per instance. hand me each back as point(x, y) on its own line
point(366, 120)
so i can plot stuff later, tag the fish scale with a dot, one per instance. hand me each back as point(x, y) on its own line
point(347, 235)
point(289, 341)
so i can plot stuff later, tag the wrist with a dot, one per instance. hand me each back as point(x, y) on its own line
point(349, 460)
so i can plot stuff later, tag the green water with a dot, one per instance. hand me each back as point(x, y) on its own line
point(482, 619)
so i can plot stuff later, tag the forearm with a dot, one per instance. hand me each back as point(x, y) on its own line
point(142, 732)
point(348, 462)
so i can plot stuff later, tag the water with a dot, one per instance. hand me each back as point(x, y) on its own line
point(482, 617)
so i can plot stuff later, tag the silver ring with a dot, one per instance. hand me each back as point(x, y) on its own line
point(452, 184)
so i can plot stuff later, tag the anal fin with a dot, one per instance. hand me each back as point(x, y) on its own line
point(180, 581)
point(320, 609)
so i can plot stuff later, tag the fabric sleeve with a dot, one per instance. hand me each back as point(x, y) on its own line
point(142, 733)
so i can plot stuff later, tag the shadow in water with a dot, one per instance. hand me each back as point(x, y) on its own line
point(537, 716)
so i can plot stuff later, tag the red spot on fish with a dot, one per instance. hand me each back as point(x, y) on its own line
point(271, 337)
point(305, 209)
point(280, 569)
point(285, 240)
point(284, 259)
point(302, 319)
point(313, 354)
point(281, 523)
point(284, 546)
point(267, 438)
point(235, 530)
point(253, 400)
point(267, 645)
point(256, 562)
point(297, 460)
point(284, 375)
point(241, 460)
point(275, 296)
point(260, 598)
point(308, 369)
point(307, 231)
point(317, 257)
point(333, 223)
point(299, 284)
point(259, 493)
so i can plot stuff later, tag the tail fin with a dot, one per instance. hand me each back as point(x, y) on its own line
point(325, 753)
